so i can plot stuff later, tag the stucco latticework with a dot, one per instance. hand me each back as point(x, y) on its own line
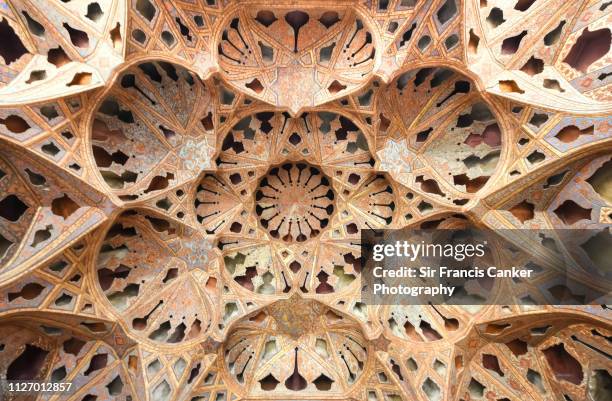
point(183, 185)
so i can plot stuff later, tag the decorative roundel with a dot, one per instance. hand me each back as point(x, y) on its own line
point(294, 201)
point(280, 183)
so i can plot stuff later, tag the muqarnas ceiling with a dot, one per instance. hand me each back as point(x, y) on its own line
point(184, 185)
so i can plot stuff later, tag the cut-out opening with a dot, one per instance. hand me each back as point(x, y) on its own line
point(115, 35)
point(12, 208)
point(600, 385)
point(536, 157)
point(80, 78)
point(168, 38)
point(58, 57)
point(533, 66)
point(73, 346)
point(255, 85)
point(50, 149)
point(11, 46)
point(266, 18)
point(536, 379)
point(510, 86)
point(49, 111)
point(268, 383)
point(51, 330)
point(473, 42)
point(447, 12)
point(329, 19)
point(146, 9)
point(563, 364)
point(36, 75)
point(139, 36)
point(296, 20)
point(296, 382)
point(423, 42)
point(589, 47)
point(496, 328)
point(94, 12)
point(323, 383)
point(601, 181)
point(552, 37)
point(77, 37)
point(571, 133)
point(476, 388)
point(496, 17)
point(64, 206)
point(115, 386)
point(28, 292)
point(5, 245)
point(97, 362)
point(64, 300)
point(34, 26)
point(451, 41)
point(517, 347)
point(41, 236)
point(28, 365)
point(570, 212)
point(491, 362)
point(538, 119)
point(431, 390)
point(553, 84)
point(15, 124)
point(58, 374)
point(511, 45)
point(523, 211)
point(336, 87)
point(523, 5)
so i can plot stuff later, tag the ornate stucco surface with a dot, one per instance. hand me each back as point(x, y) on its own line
point(183, 184)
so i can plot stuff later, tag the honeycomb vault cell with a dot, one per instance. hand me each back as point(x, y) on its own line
point(152, 130)
point(294, 57)
point(57, 48)
point(439, 119)
point(184, 185)
point(149, 285)
point(297, 347)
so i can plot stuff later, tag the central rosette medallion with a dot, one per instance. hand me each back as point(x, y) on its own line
point(294, 201)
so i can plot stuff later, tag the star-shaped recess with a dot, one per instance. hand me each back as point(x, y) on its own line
point(154, 178)
point(272, 245)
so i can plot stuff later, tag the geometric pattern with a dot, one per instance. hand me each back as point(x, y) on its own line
point(183, 186)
